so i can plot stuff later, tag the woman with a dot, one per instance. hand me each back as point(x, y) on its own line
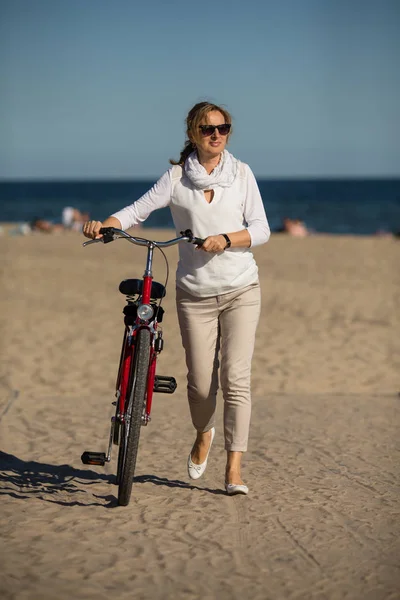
point(218, 293)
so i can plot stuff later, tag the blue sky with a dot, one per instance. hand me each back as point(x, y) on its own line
point(101, 88)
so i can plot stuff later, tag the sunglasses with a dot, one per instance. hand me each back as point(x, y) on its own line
point(207, 130)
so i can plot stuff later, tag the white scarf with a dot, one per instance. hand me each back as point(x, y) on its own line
point(222, 176)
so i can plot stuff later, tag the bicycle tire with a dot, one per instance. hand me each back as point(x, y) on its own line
point(131, 428)
point(119, 431)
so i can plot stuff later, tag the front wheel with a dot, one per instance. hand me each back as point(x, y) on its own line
point(130, 431)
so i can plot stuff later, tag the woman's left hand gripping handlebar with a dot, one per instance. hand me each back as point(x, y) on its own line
point(91, 229)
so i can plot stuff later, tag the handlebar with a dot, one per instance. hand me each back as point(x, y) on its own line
point(112, 233)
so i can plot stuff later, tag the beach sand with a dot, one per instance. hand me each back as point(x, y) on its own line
point(322, 517)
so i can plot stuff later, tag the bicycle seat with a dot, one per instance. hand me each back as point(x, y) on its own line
point(130, 287)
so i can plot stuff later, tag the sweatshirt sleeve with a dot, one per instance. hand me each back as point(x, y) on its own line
point(254, 212)
point(159, 196)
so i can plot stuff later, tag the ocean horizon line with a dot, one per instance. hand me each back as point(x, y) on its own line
point(113, 179)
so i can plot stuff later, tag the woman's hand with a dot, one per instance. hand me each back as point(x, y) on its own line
point(91, 229)
point(214, 243)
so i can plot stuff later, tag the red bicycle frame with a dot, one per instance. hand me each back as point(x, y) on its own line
point(147, 283)
point(128, 348)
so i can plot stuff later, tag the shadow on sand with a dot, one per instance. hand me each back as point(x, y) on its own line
point(175, 483)
point(26, 479)
point(60, 483)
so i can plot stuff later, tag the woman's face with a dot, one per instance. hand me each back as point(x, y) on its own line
point(211, 146)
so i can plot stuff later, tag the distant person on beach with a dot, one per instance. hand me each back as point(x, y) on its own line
point(73, 218)
point(217, 289)
point(294, 227)
point(45, 226)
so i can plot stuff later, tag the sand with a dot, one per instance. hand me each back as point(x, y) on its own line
point(322, 517)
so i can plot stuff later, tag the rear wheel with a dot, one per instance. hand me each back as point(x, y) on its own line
point(130, 431)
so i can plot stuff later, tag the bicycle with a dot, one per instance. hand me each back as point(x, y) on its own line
point(142, 343)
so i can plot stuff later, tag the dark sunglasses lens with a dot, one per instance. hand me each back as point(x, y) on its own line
point(224, 129)
point(208, 130)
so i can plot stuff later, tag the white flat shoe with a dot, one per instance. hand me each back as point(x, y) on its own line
point(232, 489)
point(196, 471)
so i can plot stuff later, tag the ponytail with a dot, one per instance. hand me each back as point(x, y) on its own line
point(188, 148)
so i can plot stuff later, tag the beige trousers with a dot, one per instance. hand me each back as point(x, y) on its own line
point(220, 327)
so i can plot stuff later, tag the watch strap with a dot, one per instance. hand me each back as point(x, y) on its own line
point(228, 241)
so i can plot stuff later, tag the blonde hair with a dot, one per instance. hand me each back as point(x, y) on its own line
point(196, 116)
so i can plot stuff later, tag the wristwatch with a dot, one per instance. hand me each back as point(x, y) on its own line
point(228, 241)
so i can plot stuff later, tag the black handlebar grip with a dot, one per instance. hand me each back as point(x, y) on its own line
point(198, 241)
point(193, 240)
point(108, 234)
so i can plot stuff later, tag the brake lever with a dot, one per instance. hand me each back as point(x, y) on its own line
point(92, 242)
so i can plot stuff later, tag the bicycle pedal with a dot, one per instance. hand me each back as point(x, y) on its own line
point(164, 384)
point(94, 458)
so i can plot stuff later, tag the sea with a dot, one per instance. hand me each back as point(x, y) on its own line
point(337, 206)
